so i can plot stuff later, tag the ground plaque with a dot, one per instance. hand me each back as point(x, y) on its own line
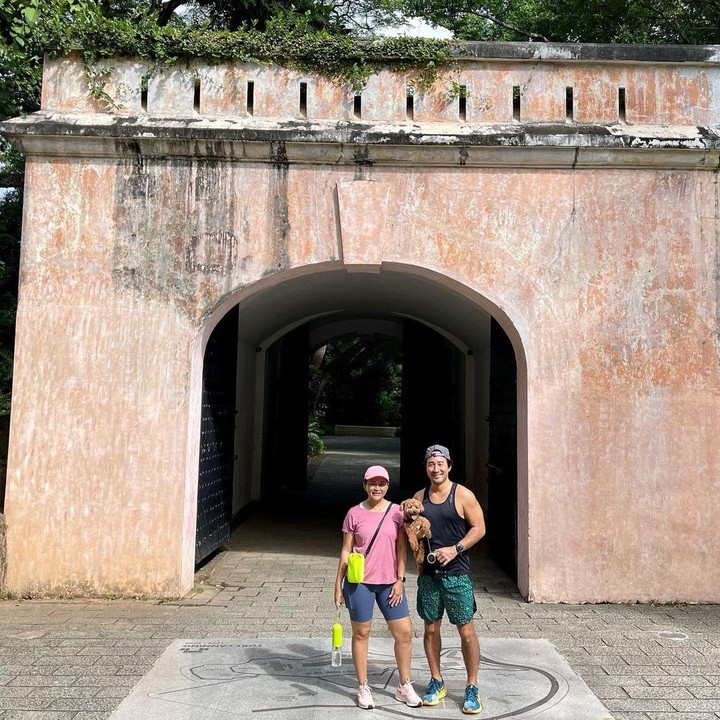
point(230, 679)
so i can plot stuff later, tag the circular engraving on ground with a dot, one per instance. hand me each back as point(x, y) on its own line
point(260, 680)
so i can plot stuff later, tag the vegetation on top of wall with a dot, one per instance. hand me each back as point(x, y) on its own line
point(288, 40)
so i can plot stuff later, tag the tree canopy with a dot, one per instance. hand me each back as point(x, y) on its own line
point(593, 21)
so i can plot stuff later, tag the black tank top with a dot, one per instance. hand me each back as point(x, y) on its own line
point(447, 529)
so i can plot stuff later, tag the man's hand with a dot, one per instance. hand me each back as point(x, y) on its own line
point(445, 554)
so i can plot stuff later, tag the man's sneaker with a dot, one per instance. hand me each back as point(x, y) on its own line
point(364, 697)
point(435, 692)
point(473, 704)
point(406, 694)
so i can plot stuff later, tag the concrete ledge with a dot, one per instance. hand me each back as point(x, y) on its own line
point(365, 430)
point(522, 145)
point(588, 52)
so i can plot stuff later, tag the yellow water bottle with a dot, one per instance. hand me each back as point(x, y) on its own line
point(337, 642)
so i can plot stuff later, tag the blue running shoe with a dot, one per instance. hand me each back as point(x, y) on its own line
point(473, 704)
point(435, 692)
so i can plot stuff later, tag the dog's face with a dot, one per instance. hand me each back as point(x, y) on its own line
point(411, 508)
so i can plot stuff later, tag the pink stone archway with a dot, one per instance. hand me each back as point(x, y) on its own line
point(458, 311)
point(595, 234)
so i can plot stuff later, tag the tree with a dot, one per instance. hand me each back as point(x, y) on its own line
point(10, 218)
point(336, 15)
point(356, 381)
point(598, 21)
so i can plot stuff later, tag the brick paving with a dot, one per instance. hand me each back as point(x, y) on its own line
point(77, 659)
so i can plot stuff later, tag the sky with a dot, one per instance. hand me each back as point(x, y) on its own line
point(416, 27)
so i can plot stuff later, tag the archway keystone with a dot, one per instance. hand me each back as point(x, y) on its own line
point(363, 207)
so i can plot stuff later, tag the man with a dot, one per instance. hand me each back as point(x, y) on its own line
point(457, 523)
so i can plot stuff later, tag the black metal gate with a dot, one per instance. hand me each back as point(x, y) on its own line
point(286, 413)
point(502, 460)
point(433, 409)
point(217, 438)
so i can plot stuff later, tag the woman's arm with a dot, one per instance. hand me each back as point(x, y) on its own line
point(401, 547)
point(345, 550)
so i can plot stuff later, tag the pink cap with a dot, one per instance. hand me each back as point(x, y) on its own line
point(377, 471)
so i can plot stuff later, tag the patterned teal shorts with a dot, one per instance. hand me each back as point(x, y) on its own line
point(454, 593)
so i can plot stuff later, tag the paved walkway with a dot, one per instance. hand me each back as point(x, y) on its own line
point(77, 659)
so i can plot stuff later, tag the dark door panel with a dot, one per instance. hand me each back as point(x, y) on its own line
point(217, 438)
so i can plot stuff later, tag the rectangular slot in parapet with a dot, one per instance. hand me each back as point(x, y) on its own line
point(462, 103)
point(250, 98)
point(410, 103)
point(196, 95)
point(303, 99)
point(143, 98)
point(621, 105)
point(516, 102)
point(357, 106)
point(569, 104)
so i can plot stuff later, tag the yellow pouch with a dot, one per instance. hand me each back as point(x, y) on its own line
point(356, 567)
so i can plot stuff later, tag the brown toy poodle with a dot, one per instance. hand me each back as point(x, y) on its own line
point(417, 529)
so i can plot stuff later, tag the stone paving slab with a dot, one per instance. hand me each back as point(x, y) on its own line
point(230, 679)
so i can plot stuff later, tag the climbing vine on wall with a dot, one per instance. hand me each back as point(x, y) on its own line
point(286, 41)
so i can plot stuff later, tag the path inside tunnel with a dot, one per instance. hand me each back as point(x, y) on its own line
point(297, 533)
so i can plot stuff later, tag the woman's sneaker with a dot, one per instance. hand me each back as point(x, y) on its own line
point(435, 692)
point(406, 694)
point(364, 697)
point(473, 704)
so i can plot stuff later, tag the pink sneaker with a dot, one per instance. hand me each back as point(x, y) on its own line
point(406, 694)
point(364, 697)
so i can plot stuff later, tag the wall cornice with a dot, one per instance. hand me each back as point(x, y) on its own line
point(348, 143)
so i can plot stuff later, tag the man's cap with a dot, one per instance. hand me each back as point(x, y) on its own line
point(438, 451)
point(377, 471)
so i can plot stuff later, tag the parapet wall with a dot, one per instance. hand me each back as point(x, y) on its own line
point(494, 91)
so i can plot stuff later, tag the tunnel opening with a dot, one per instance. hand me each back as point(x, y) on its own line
point(458, 387)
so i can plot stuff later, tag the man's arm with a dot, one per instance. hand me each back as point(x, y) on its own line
point(473, 514)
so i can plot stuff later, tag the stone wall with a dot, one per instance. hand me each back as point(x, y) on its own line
point(586, 224)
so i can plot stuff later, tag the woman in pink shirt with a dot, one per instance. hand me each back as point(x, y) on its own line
point(383, 582)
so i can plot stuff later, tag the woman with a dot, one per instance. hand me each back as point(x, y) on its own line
point(382, 583)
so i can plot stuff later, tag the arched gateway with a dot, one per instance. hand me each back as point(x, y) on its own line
point(563, 210)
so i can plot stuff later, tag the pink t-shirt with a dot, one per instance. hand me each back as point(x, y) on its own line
point(381, 563)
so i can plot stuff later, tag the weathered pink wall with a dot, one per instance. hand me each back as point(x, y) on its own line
point(608, 274)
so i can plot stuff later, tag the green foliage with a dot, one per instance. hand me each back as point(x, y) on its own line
point(10, 220)
point(288, 40)
point(599, 21)
point(315, 444)
point(357, 381)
